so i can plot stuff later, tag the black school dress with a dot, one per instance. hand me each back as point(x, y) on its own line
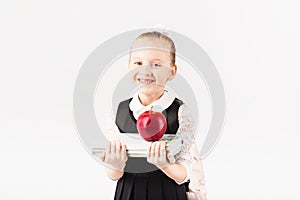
point(142, 180)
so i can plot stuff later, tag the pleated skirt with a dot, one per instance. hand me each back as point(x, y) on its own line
point(153, 185)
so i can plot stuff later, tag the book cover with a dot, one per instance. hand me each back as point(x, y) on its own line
point(137, 146)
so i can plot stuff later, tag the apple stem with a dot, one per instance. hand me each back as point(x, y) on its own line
point(151, 110)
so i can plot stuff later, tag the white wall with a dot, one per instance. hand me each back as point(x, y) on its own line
point(254, 45)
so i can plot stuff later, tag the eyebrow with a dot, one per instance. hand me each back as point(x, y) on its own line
point(151, 60)
point(136, 58)
point(158, 60)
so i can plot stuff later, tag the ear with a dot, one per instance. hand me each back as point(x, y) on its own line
point(173, 72)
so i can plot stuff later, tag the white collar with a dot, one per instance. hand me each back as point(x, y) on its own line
point(159, 105)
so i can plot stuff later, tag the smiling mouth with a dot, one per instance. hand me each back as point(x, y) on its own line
point(145, 81)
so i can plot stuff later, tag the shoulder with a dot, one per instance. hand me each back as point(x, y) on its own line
point(182, 107)
point(124, 102)
point(174, 105)
point(185, 112)
point(123, 107)
point(178, 101)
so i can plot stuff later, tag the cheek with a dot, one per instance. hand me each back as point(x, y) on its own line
point(134, 76)
point(133, 71)
point(130, 68)
point(162, 74)
point(160, 79)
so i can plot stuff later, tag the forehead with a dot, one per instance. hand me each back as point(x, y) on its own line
point(150, 49)
point(150, 54)
point(151, 43)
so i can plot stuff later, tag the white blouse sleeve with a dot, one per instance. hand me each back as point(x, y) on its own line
point(186, 131)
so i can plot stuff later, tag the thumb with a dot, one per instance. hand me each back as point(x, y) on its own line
point(102, 157)
point(171, 159)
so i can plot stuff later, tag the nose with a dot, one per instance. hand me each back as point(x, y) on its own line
point(145, 70)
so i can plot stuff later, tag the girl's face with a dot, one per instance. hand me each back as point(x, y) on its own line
point(152, 69)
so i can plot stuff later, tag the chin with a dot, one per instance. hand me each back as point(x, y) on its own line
point(149, 90)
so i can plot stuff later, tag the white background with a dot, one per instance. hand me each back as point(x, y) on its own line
point(254, 45)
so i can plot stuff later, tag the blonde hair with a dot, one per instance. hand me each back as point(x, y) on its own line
point(162, 37)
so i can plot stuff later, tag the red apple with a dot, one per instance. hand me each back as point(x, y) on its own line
point(151, 125)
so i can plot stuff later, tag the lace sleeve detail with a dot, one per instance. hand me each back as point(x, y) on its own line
point(186, 131)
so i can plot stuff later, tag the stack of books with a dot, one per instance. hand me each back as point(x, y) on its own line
point(137, 146)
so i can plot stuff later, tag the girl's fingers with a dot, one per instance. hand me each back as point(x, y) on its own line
point(122, 146)
point(113, 147)
point(118, 146)
point(102, 157)
point(153, 145)
point(108, 148)
point(171, 159)
point(149, 152)
point(118, 150)
point(163, 149)
point(152, 155)
point(157, 149)
point(154, 149)
point(124, 153)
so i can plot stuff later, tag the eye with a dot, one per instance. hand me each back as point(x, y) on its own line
point(156, 65)
point(138, 63)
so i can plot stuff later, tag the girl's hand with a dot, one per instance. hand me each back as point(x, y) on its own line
point(157, 155)
point(115, 156)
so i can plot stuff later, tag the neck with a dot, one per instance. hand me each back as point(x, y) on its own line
point(147, 99)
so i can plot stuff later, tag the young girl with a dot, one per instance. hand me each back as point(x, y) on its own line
point(159, 176)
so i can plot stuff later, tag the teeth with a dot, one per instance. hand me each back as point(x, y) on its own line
point(147, 81)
